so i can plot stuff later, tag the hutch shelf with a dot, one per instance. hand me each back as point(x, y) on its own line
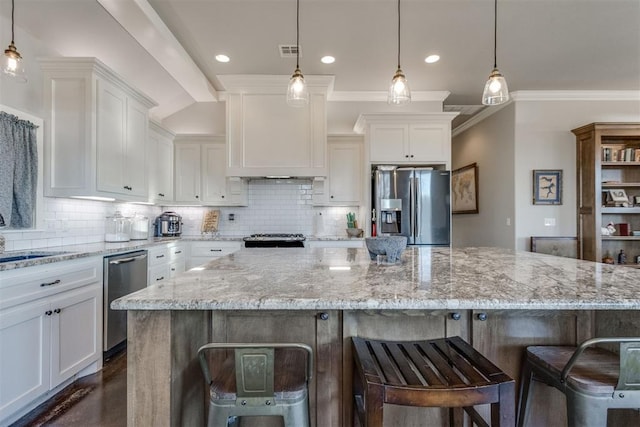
point(608, 185)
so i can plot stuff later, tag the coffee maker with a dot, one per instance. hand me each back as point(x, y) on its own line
point(168, 224)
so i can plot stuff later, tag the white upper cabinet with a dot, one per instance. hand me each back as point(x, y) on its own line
point(160, 158)
point(96, 144)
point(200, 178)
point(343, 185)
point(267, 137)
point(408, 138)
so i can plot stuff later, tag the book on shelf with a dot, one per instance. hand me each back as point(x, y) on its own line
point(613, 154)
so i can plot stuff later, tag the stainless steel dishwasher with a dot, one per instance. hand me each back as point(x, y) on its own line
point(123, 274)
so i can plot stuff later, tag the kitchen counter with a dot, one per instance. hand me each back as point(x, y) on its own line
point(69, 252)
point(427, 278)
point(498, 300)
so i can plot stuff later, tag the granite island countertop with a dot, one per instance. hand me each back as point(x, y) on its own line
point(426, 278)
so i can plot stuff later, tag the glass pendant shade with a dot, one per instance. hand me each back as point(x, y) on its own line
point(12, 61)
point(399, 93)
point(495, 91)
point(297, 92)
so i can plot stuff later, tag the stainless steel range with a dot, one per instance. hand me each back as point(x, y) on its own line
point(274, 240)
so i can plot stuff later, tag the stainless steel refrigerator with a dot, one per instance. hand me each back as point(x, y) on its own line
point(413, 202)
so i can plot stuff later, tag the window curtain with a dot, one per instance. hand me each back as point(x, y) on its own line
point(18, 171)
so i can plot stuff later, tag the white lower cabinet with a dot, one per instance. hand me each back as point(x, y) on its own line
point(76, 318)
point(165, 261)
point(50, 332)
point(203, 252)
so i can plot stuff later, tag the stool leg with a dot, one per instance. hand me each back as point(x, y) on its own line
point(373, 406)
point(503, 412)
point(218, 417)
point(297, 414)
point(583, 411)
point(456, 417)
point(525, 387)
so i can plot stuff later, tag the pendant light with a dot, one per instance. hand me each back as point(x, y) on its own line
point(399, 93)
point(297, 93)
point(495, 91)
point(12, 61)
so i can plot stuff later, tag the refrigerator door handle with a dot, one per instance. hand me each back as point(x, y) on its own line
point(418, 214)
point(412, 207)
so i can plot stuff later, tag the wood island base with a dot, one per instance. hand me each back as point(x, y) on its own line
point(165, 386)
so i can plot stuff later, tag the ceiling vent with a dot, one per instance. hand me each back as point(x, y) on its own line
point(289, 50)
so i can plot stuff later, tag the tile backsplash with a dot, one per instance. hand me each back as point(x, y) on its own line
point(275, 206)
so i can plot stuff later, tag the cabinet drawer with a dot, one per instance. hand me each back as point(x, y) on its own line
point(200, 249)
point(158, 273)
point(176, 252)
point(26, 284)
point(177, 267)
point(158, 255)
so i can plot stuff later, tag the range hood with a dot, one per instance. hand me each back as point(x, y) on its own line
point(268, 138)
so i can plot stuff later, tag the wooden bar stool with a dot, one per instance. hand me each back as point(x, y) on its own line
point(592, 379)
point(259, 379)
point(444, 372)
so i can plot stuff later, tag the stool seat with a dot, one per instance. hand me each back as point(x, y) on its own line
point(445, 372)
point(593, 379)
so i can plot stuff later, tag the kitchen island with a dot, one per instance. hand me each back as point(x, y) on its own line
point(498, 300)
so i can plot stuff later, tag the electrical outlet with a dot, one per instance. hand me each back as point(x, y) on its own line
point(549, 222)
point(508, 221)
point(232, 217)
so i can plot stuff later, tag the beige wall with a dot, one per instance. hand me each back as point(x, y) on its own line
point(544, 141)
point(490, 145)
point(531, 133)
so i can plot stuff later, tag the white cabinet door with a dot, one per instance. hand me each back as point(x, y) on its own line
point(24, 355)
point(345, 172)
point(160, 167)
point(135, 156)
point(97, 131)
point(111, 138)
point(389, 143)
point(213, 173)
point(187, 173)
point(429, 143)
point(76, 331)
point(121, 143)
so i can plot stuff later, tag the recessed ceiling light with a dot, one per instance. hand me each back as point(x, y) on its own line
point(431, 59)
point(222, 58)
point(328, 59)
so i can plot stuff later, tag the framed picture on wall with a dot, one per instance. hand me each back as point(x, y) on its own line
point(547, 187)
point(464, 189)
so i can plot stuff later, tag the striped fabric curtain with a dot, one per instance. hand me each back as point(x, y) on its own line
point(18, 171)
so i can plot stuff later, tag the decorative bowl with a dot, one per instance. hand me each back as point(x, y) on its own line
point(354, 232)
point(391, 246)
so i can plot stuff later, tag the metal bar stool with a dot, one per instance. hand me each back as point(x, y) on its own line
point(444, 372)
point(259, 379)
point(592, 379)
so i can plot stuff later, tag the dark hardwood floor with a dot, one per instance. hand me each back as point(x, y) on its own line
point(98, 400)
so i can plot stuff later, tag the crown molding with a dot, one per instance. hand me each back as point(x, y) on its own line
point(550, 95)
point(576, 95)
point(474, 120)
point(271, 83)
point(381, 96)
point(399, 117)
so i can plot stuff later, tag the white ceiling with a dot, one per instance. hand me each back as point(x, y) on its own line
point(167, 47)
